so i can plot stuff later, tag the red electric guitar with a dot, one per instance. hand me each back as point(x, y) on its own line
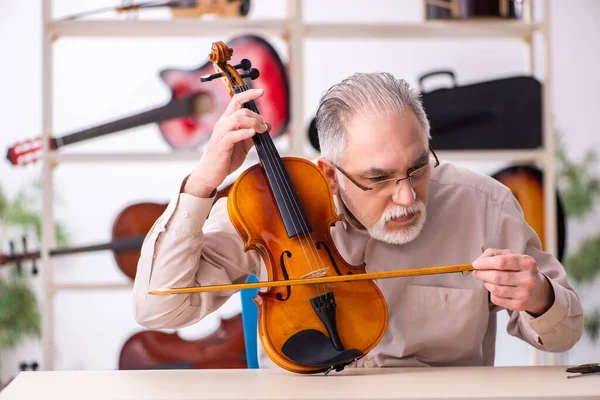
point(186, 121)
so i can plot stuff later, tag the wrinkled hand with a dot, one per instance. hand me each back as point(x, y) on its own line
point(514, 281)
point(228, 146)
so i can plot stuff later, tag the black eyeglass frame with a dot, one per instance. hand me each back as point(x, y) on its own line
point(397, 181)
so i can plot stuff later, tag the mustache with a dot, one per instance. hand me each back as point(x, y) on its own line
point(402, 211)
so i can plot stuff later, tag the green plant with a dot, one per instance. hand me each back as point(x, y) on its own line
point(580, 188)
point(19, 312)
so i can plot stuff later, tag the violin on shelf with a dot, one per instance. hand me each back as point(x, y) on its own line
point(129, 230)
point(186, 121)
point(319, 312)
point(223, 349)
point(181, 8)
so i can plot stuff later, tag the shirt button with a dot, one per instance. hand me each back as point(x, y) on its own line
point(185, 214)
point(368, 364)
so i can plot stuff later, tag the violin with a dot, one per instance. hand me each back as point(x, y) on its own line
point(223, 349)
point(283, 208)
point(129, 230)
point(319, 312)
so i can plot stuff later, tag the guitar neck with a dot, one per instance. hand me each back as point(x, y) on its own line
point(174, 109)
point(130, 243)
point(122, 244)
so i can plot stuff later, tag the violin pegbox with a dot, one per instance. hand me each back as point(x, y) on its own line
point(219, 56)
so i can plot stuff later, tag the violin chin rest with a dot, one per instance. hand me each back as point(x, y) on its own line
point(311, 347)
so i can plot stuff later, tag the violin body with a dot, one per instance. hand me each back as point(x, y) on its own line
point(288, 322)
point(223, 349)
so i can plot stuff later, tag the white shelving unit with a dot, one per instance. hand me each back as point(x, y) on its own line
point(295, 29)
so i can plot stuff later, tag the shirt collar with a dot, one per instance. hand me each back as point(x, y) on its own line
point(347, 218)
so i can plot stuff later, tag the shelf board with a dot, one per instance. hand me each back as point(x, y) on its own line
point(517, 155)
point(57, 286)
point(179, 27)
point(191, 156)
point(476, 29)
point(74, 158)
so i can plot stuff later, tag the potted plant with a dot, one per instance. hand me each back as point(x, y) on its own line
point(19, 311)
point(580, 187)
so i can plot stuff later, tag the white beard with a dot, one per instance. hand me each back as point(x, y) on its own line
point(378, 231)
point(405, 234)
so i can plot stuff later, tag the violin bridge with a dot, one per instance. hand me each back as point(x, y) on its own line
point(316, 274)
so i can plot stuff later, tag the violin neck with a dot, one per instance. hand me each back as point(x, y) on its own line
point(289, 206)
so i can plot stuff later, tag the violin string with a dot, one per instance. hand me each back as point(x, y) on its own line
point(270, 152)
point(269, 159)
point(310, 243)
point(312, 246)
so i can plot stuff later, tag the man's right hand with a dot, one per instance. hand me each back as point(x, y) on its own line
point(228, 146)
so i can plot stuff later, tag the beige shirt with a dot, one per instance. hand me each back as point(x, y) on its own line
point(434, 320)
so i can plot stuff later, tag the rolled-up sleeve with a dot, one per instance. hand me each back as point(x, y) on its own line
point(192, 243)
point(561, 326)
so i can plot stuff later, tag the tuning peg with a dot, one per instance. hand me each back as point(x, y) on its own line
point(24, 366)
point(252, 74)
point(11, 246)
point(244, 64)
point(34, 269)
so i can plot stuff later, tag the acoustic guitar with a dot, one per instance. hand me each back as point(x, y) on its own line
point(181, 8)
point(527, 185)
point(186, 121)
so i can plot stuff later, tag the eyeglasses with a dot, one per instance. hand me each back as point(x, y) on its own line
point(415, 177)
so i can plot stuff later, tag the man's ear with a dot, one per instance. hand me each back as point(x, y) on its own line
point(329, 171)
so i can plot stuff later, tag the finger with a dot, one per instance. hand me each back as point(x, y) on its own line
point(509, 304)
point(508, 292)
point(509, 262)
point(497, 277)
point(237, 100)
point(491, 252)
point(239, 121)
point(235, 137)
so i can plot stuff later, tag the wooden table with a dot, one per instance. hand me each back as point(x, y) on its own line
point(385, 383)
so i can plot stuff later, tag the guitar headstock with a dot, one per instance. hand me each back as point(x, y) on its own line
point(26, 152)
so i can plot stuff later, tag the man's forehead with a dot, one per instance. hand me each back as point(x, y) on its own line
point(387, 164)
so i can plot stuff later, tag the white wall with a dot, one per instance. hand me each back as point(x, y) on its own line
point(101, 79)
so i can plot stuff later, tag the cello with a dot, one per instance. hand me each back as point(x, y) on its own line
point(319, 313)
point(223, 349)
point(129, 230)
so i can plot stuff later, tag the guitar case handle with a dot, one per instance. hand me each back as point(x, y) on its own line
point(422, 78)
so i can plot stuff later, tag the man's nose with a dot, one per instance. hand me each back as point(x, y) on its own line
point(404, 194)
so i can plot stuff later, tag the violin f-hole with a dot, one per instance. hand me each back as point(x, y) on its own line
point(286, 276)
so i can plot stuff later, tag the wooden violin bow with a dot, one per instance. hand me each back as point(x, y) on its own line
point(311, 280)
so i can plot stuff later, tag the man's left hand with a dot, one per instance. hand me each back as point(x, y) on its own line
point(514, 281)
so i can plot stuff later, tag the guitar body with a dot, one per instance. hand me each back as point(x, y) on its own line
point(193, 130)
point(526, 183)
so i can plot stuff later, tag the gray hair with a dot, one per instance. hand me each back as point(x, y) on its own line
point(362, 94)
